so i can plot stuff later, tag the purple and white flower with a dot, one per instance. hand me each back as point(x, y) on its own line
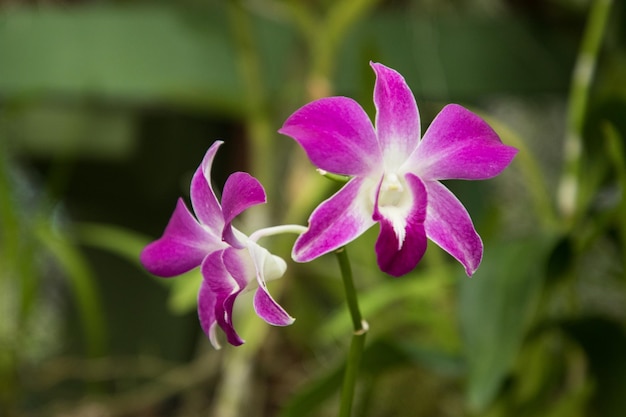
point(230, 261)
point(395, 174)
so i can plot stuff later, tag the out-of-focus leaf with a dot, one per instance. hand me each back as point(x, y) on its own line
point(616, 154)
point(81, 281)
point(77, 129)
point(454, 56)
point(162, 53)
point(184, 292)
point(313, 395)
point(427, 286)
point(143, 53)
point(120, 241)
point(128, 245)
point(604, 342)
point(379, 357)
point(559, 263)
point(495, 307)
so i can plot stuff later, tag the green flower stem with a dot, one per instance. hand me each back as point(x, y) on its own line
point(334, 177)
point(358, 337)
point(584, 69)
point(348, 283)
point(352, 369)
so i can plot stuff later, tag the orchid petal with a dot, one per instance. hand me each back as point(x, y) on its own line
point(449, 225)
point(241, 191)
point(336, 134)
point(336, 222)
point(181, 248)
point(269, 310)
point(264, 305)
point(402, 239)
point(203, 199)
point(460, 145)
point(397, 117)
point(206, 313)
point(239, 266)
point(216, 270)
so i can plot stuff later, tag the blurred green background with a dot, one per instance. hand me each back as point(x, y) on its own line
point(107, 107)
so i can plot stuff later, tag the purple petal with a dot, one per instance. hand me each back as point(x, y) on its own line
point(449, 225)
point(182, 247)
point(335, 222)
point(402, 239)
point(203, 199)
point(269, 310)
point(225, 290)
point(206, 313)
point(264, 305)
point(397, 117)
point(241, 191)
point(336, 135)
point(239, 266)
point(460, 145)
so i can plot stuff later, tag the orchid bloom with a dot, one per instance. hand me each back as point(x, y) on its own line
point(230, 261)
point(395, 174)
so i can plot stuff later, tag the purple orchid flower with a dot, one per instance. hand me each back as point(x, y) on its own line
point(395, 174)
point(230, 261)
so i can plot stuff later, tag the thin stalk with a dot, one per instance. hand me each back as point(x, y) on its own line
point(358, 337)
point(348, 284)
point(584, 70)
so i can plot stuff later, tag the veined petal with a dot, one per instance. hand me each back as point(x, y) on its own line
point(225, 289)
point(240, 266)
point(203, 199)
point(449, 225)
point(264, 305)
point(402, 239)
point(397, 117)
point(182, 247)
point(241, 191)
point(459, 145)
point(335, 222)
point(269, 310)
point(206, 313)
point(336, 135)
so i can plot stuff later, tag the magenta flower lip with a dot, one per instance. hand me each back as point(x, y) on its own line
point(230, 261)
point(395, 174)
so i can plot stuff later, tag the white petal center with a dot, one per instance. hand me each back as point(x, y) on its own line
point(394, 203)
point(392, 191)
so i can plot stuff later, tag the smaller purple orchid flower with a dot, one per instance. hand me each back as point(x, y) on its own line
point(395, 174)
point(230, 261)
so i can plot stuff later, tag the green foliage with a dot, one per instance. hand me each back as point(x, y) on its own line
point(495, 309)
point(106, 109)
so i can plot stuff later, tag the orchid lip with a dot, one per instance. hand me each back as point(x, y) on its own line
point(392, 191)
